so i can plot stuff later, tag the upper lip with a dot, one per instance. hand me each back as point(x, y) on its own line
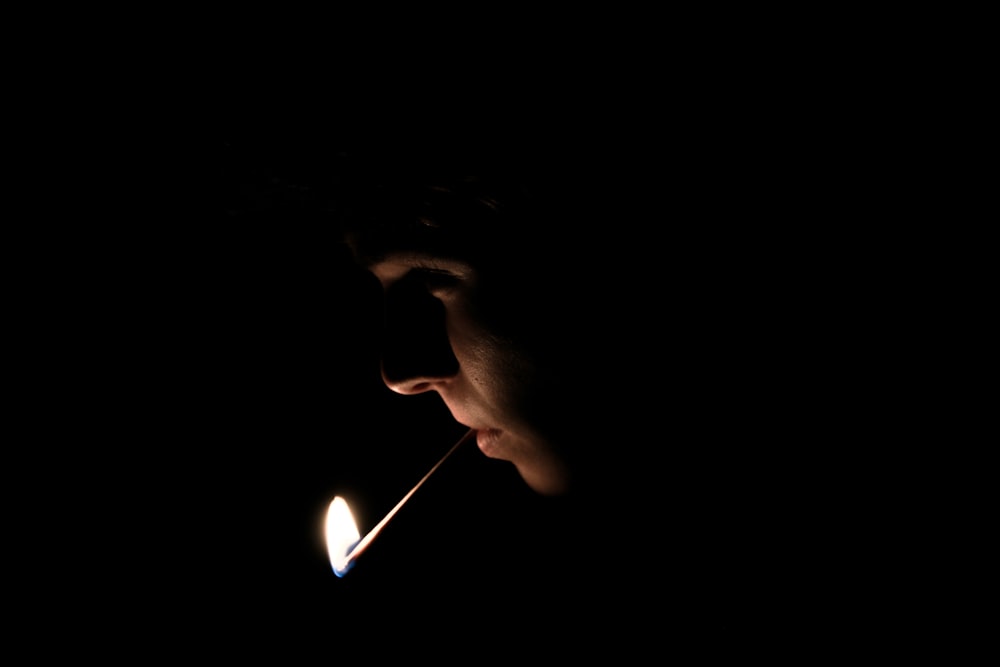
point(465, 417)
point(468, 423)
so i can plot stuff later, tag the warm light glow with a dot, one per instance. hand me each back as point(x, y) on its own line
point(341, 535)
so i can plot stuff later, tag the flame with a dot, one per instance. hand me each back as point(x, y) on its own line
point(343, 541)
point(341, 535)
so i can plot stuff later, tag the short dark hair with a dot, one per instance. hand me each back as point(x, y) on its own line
point(467, 198)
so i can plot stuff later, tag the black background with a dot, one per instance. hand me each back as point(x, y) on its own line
point(185, 409)
point(215, 374)
point(207, 359)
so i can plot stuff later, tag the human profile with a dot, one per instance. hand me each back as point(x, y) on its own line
point(486, 300)
point(610, 339)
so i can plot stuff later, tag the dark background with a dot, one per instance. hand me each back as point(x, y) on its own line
point(199, 376)
point(208, 357)
point(219, 383)
point(247, 392)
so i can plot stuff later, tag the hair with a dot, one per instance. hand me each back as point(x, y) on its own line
point(472, 201)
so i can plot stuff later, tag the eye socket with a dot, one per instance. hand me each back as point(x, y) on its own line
point(431, 275)
point(436, 280)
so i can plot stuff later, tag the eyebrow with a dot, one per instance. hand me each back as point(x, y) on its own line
point(416, 259)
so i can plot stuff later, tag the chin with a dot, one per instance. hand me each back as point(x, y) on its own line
point(545, 480)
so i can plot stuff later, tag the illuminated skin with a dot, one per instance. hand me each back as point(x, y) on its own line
point(444, 332)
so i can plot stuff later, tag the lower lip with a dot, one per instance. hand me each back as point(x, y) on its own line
point(486, 440)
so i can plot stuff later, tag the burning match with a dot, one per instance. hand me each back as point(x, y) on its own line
point(342, 536)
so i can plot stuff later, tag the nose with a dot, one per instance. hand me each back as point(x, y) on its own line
point(416, 352)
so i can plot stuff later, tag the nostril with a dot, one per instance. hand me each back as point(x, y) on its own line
point(411, 383)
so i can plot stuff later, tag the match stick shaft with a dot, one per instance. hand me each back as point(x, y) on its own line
point(366, 540)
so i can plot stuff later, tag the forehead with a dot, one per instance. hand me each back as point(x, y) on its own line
point(473, 222)
point(409, 246)
point(446, 229)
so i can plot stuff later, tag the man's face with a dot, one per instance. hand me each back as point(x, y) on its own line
point(452, 326)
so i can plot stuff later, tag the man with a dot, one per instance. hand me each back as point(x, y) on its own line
point(601, 322)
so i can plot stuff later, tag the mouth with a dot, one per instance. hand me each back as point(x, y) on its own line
point(487, 440)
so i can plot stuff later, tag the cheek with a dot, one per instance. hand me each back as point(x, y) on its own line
point(492, 364)
point(480, 357)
